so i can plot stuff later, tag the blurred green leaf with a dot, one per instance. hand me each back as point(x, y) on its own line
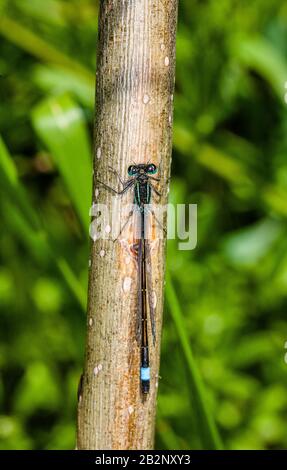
point(252, 350)
point(47, 295)
point(249, 245)
point(11, 186)
point(37, 390)
point(48, 11)
point(223, 165)
point(8, 169)
point(24, 38)
point(27, 224)
point(57, 80)
point(60, 123)
point(259, 55)
point(13, 435)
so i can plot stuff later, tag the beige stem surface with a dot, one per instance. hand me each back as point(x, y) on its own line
point(134, 107)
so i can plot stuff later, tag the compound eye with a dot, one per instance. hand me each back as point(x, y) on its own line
point(151, 168)
point(132, 170)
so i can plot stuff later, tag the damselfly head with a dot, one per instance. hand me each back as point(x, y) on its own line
point(141, 168)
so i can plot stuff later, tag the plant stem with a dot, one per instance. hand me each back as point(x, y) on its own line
point(134, 102)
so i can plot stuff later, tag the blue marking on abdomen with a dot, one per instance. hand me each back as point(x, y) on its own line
point(145, 373)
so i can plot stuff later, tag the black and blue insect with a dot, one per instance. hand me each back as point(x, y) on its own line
point(141, 179)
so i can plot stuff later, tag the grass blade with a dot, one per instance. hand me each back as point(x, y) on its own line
point(37, 46)
point(205, 424)
point(26, 223)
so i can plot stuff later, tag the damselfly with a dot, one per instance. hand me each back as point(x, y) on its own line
point(141, 178)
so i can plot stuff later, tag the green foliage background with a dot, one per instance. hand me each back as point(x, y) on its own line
point(223, 371)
